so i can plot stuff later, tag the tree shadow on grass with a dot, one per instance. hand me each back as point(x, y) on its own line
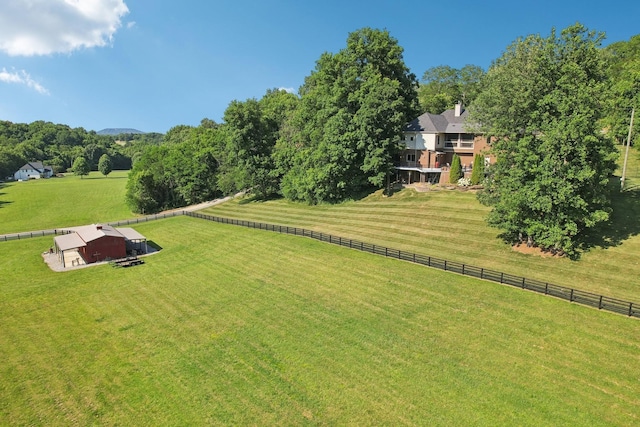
point(623, 223)
point(3, 202)
point(253, 198)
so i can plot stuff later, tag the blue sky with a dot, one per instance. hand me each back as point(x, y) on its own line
point(155, 64)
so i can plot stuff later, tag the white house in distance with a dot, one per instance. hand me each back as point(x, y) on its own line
point(33, 170)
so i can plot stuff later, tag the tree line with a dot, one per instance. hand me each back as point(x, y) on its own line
point(59, 146)
point(337, 138)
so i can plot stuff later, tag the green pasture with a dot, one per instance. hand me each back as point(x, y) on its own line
point(62, 202)
point(450, 224)
point(235, 326)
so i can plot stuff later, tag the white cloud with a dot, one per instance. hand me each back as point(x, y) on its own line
point(42, 27)
point(22, 77)
point(287, 89)
point(131, 24)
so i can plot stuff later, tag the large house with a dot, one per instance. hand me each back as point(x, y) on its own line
point(430, 142)
point(33, 170)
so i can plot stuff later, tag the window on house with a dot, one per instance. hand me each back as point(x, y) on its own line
point(411, 157)
point(411, 138)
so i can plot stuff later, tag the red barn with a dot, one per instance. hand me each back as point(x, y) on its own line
point(93, 243)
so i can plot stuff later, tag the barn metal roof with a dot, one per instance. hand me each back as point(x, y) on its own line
point(69, 241)
point(92, 232)
point(130, 234)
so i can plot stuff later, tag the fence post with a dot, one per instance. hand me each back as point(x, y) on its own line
point(501, 277)
point(429, 261)
point(523, 283)
point(630, 309)
point(463, 269)
point(445, 265)
point(571, 296)
point(546, 288)
point(481, 272)
point(600, 303)
point(386, 251)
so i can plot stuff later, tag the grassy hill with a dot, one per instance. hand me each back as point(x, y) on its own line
point(450, 224)
point(228, 325)
point(62, 202)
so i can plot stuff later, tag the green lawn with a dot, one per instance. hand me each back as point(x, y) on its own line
point(62, 202)
point(451, 225)
point(228, 325)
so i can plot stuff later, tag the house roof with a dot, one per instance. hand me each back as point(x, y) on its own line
point(34, 165)
point(446, 122)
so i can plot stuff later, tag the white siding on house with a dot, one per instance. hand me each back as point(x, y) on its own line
point(421, 141)
point(429, 141)
point(24, 175)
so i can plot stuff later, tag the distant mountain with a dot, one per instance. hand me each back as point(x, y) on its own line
point(118, 131)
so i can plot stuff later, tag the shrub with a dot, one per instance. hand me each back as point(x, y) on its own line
point(477, 175)
point(456, 170)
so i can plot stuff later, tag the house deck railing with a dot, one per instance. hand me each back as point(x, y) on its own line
point(458, 144)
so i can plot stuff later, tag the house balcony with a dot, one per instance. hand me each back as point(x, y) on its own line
point(458, 144)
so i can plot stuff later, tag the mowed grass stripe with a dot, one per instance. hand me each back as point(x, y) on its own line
point(449, 225)
point(228, 325)
point(62, 202)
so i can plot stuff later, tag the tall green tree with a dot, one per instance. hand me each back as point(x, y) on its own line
point(623, 59)
point(81, 167)
point(347, 126)
point(443, 86)
point(104, 165)
point(541, 102)
point(247, 161)
point(178, 173)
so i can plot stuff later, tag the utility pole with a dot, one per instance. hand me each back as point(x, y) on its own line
point(626, 154)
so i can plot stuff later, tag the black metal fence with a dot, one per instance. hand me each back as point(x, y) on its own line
point(147, 218)
point(55, 232)
point(30, 234)
point(600, 302)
